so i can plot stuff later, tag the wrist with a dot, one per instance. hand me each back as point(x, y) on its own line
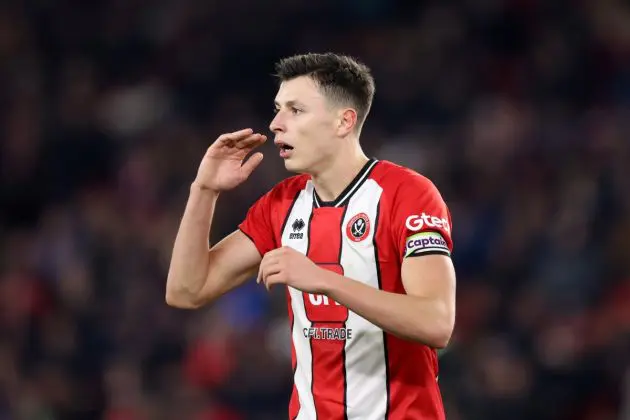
point(330, 282)
point(200, 188)
point(202, 196)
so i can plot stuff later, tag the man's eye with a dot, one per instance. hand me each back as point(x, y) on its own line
point(296, 111)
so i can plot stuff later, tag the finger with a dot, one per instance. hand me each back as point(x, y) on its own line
point(262, 268)
point(252, 163)
point(272, 280)
point(229, 138)
point(270, 270)
point(251, 141)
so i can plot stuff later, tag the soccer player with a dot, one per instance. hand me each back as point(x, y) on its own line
point(363, 247)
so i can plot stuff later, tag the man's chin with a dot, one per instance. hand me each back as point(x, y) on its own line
point(293, 165)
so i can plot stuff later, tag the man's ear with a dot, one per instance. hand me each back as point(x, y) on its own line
point(347, 121)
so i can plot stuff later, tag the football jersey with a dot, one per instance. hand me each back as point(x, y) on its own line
point(344, 366)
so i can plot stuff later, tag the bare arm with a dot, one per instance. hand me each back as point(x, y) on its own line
point(425, 314)
point(197, 274)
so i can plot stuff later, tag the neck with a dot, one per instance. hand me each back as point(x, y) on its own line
point(331, 182)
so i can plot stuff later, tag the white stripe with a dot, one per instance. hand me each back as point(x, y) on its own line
point(357, 184)
point(303, 378)
point(365, 352)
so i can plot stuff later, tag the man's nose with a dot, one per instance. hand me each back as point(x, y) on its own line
point(277, 125)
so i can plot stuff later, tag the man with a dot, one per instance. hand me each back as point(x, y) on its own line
point(362, 245)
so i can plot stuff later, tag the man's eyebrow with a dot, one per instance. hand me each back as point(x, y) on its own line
point(288, 103)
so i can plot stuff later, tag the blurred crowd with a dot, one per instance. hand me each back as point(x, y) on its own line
point(519, 111)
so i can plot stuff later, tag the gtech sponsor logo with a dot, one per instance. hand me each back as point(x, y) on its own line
point(417, 223)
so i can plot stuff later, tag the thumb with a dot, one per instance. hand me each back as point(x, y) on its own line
point(248, 167)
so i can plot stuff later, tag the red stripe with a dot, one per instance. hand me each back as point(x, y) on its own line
point(329, 376)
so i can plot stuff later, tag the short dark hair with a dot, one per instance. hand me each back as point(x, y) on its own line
point(342, 78)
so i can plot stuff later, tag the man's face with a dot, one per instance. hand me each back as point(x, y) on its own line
point(305, 125)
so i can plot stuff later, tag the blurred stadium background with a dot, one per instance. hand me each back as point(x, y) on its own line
point(518, 110)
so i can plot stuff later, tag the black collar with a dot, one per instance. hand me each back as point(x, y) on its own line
point(345, 195)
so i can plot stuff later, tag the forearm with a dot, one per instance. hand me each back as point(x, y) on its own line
point(422, 319)
point(190, 259)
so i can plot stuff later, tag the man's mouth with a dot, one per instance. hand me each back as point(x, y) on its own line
point(285, 150)
point(284, 146)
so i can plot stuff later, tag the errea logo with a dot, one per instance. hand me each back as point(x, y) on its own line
point(297, 226)
point(417, 223)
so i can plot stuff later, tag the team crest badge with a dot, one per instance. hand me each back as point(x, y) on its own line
point(358, 228)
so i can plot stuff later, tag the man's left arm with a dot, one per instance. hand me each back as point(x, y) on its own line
point(421, 225)
point(426, 313)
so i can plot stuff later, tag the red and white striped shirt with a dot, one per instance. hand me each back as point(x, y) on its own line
point(344, 366)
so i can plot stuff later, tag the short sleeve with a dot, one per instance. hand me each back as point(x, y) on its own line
point(257, 224)
point(421, 220)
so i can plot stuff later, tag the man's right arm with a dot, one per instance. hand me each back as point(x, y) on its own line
point(199, 275)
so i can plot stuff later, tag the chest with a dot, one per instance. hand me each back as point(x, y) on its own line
point(351, 237)
point(344, 239)
point(324, 234)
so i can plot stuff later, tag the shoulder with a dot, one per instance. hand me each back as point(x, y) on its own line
point(290, 186)
point(397, 180)
point(286, 189)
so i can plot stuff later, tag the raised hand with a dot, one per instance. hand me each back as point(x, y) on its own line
point(222, 166)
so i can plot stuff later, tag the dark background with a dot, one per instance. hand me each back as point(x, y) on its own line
point(518, 110)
